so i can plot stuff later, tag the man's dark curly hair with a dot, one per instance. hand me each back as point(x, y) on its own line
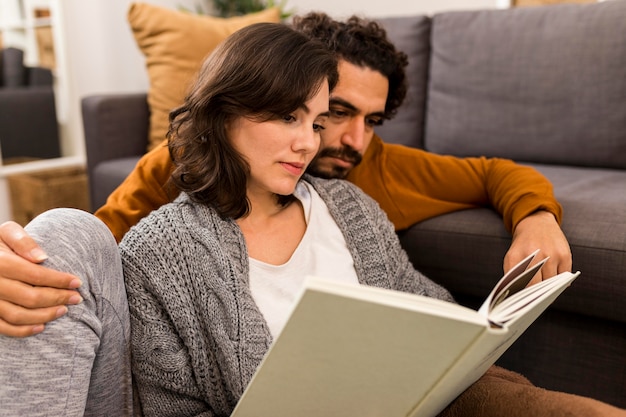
point(363, 43)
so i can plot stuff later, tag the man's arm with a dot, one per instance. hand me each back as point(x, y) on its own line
point(32, 295)
point(412, 185)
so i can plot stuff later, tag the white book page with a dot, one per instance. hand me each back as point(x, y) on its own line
point(520, 303)
point(511, 283)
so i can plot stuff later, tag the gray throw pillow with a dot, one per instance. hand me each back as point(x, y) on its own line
point(13, 70)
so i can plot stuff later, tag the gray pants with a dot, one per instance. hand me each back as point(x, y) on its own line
point(80, 364)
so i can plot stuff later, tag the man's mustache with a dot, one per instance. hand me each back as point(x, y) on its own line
point(345, 153)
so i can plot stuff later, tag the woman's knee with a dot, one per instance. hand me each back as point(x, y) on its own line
point(79, 243)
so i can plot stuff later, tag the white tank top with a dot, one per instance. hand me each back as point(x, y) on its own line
point(321, 252)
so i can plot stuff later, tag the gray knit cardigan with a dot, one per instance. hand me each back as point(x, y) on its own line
point(197, 334)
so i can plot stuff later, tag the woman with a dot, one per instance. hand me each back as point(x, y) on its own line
point(211, 277)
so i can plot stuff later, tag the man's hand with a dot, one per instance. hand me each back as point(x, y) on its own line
point(540, 231)
point(30, 294)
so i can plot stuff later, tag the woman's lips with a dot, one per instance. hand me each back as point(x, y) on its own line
point(295, 168)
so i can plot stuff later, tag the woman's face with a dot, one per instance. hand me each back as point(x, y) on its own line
point(278, 151)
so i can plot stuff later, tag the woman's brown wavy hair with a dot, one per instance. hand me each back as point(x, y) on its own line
point(263, 72)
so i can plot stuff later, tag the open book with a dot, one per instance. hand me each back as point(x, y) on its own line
point(354, 350)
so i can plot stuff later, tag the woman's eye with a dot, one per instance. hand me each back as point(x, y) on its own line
point(318, 127)
point(289, 118)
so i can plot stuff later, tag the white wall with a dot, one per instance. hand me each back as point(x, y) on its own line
point(102, 55)
point(385, 8)
point(96, 54)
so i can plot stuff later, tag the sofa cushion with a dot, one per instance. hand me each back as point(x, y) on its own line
point(538, 84)
point(594, 221)
point(107, 176)
point(175, 43)
point(411, 35)
point(39, 76)
point(13, 70)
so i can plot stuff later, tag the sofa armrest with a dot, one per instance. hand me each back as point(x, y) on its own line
point(115, 126)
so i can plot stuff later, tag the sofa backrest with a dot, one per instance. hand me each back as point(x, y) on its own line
point(536, 84)
point(410, 34)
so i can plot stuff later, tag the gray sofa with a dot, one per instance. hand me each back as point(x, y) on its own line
point(28, 118)
point(543, 86)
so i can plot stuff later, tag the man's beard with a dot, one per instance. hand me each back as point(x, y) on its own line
point(345, 153)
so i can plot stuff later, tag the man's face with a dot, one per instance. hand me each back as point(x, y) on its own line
point(357, 105)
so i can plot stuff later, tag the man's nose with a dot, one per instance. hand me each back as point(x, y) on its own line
point(354, 135)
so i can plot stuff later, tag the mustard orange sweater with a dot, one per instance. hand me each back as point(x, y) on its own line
point(410, 185)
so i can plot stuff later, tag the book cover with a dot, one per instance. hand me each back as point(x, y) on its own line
point(351, 350)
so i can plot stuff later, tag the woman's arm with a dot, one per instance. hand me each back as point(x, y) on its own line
point(162, 368)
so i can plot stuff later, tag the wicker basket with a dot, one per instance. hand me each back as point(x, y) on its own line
point(35, 192)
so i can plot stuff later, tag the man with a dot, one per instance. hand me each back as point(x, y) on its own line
point(371, 88)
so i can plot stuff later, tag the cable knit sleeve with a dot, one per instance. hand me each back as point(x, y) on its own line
point(197, 336)
point(161, 365)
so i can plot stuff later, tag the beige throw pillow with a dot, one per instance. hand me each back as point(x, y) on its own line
point(175, 43)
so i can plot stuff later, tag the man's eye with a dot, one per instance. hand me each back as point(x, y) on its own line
point(374, 122)
point(338, 113)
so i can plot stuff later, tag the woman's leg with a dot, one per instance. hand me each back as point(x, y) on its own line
point(80, 364)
